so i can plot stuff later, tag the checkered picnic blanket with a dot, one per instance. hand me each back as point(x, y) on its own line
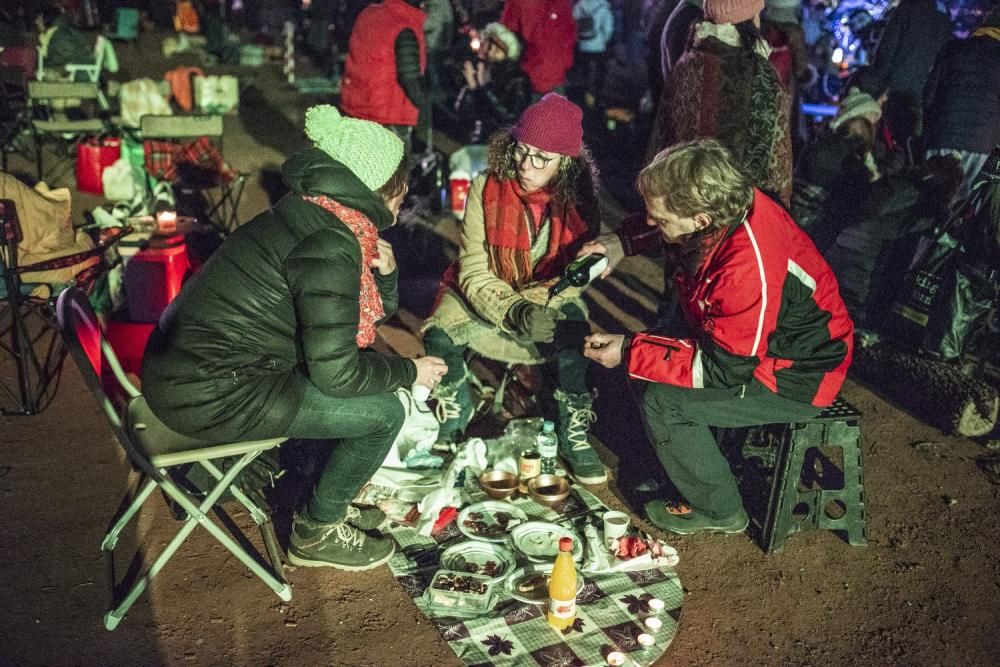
point(610, 608)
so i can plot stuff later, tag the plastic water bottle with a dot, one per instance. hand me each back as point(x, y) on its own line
point(562, 587)
point(547, 445)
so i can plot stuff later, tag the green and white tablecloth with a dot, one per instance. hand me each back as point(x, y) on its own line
point(610, 608)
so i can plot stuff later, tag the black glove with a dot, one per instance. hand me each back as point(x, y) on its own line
point(532, 321)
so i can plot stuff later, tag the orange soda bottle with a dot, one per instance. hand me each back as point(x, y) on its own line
point(562, 587)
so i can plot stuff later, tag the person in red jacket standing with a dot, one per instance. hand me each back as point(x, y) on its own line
point(384, 72)
point(767, 338)
point(549, 35)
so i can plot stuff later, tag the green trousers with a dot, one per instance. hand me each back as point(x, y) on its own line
point(677, 420)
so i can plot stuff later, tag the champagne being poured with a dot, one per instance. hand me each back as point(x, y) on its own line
point(580, 273)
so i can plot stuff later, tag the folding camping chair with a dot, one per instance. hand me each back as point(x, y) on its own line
point(126, 24)
point(48, 121)
point(154, 450)
point(202, 172)
point(28, 331)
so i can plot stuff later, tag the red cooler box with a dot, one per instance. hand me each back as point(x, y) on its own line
point(153, 278)
point(128, 340)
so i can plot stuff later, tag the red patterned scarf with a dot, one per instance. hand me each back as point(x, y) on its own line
point(508, 236)
point(369, 299)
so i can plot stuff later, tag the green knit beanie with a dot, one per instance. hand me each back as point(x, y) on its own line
point(369, 150)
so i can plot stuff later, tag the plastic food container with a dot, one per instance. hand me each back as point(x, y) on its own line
point(461, 591)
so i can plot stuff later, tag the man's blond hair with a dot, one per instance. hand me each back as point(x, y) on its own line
point(698, 177)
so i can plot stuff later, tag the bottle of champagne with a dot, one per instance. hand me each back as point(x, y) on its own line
point(580, 272)
point(562, 587)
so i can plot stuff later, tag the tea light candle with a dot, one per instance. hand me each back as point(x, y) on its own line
point(656, 604)
point(645, 639)
point(166, 222)
point(616, 658)
point(653, 623)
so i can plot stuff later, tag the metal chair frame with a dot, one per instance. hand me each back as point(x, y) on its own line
point(28, 329)
point(223, 208)
point(154, 459)
point(47, 122)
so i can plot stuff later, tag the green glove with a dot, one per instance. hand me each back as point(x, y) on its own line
point(532, 321)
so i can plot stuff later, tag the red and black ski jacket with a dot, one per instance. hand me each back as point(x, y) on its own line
point(765, 305)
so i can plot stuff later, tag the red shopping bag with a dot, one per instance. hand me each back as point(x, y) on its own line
point(93, 155)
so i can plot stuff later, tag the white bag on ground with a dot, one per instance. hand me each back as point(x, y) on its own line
point(139, 98)
point(119, 181)
point(419, 432)
point(216, 94)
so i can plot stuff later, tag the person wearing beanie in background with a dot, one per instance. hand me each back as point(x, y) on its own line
point(789, 55)
point(724, 88)
point(765, 336)
point(549, 35)
point(595, 26)
point(496, 89)
point(384, 72)
point(525, 219)
point(272, 338)
point(835, 171)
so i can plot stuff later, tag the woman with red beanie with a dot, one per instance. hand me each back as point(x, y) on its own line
point(525, 219)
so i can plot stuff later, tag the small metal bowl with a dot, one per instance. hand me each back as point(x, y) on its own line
point(548, 489)
point(498, 484)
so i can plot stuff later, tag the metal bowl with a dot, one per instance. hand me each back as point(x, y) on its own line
point(498, 484)
point(548, 489)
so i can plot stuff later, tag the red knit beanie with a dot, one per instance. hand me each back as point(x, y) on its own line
point(732, 11)
point(552, 124)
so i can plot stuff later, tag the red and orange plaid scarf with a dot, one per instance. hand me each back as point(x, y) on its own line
point(370, 301)
point(506, 215)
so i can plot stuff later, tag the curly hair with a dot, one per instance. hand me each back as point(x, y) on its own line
point(698, 177)
point(501, 164)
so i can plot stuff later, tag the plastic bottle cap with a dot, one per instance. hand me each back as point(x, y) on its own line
point(548, 427)
point(656, 604)
point(645, 639)
point(616, 658)
point(565, 544)
point(653, 623)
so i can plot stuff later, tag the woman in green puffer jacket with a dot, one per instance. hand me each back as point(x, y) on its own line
point(272, 337)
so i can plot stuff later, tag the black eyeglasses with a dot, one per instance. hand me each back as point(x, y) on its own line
point(537, 161)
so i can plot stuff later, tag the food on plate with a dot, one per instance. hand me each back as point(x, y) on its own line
point(533, 583)
point(491, 524)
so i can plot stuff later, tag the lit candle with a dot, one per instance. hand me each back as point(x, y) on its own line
point(166, 222)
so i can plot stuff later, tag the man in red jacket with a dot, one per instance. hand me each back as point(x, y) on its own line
point(549, 35)
point(767, 337)
point(384, 71)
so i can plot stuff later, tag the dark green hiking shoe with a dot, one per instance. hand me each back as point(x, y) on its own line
point(453, 409)
point(684, 520)
point(575, 418)
point(338, 545)
point(366, 518)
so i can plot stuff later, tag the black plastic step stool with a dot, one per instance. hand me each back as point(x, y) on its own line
point(807, 489)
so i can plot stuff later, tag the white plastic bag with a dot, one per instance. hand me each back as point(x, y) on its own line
point(139, 98)
point(118, 181)
point(419, 432)
point(216, 94)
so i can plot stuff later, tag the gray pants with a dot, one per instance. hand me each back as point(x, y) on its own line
point(677, 421)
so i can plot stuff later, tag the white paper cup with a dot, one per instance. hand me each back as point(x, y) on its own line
point(615, 524)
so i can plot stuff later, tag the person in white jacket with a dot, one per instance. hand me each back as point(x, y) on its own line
point(595, 25)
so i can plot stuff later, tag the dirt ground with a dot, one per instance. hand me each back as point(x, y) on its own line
point(926, 590)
